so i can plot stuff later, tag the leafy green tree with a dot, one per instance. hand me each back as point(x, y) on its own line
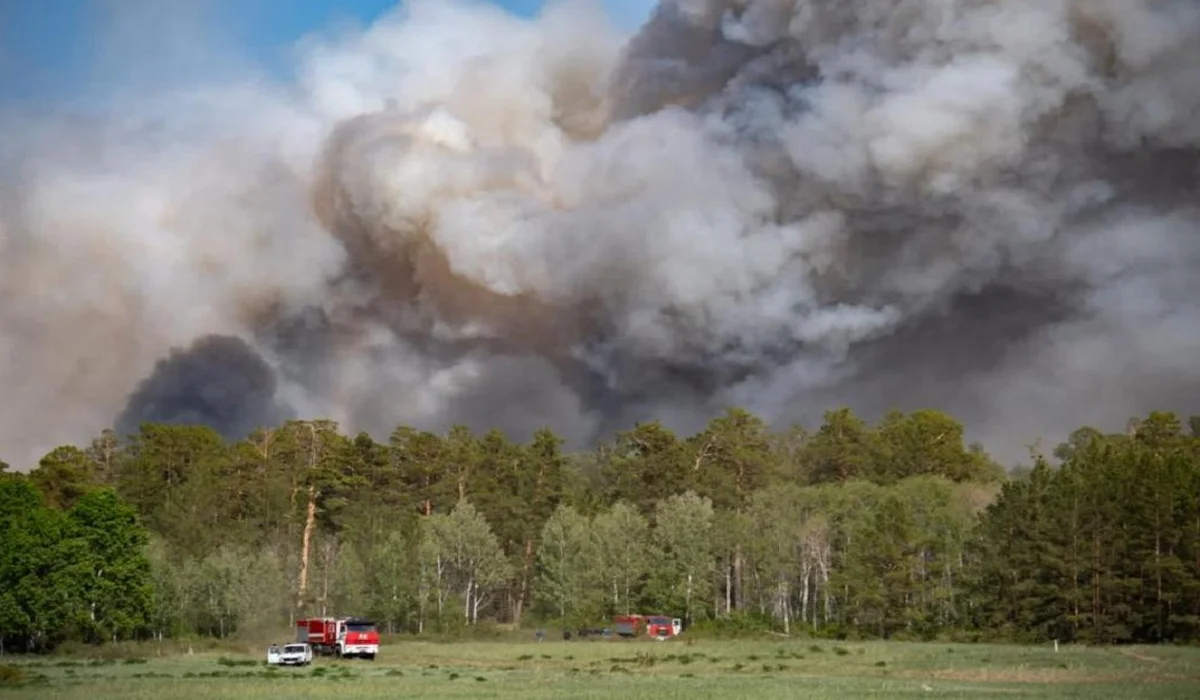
point(776, 517)
point(563, 564)
point(1013, 550)
point(682, 553)
point(261, 488)
point(109, 574)
point(517, 488)
point(432, 586)
point(733, 458)
point(622, 554)
point(790, 451)
point(320, 460)
point(732, 532)
point(843, 448)
point(345, 584)
point(646, 463)
point(63, 476)
point(391, 577)
point(161, 457)
point(31, 611)
point(1079, 439)
point(471, 554)
point(882, 564)
point(169, 610)
point(418, 458)
point(927, 442)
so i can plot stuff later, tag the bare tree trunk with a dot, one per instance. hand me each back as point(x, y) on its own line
point(310, 518)
point(787, 607)
point(310, 521)
point(478, 603)
point(805, 575)
point(737, 578)
point(716, 593)
point(758, 592)
point(467, 602)
point(823, 564)
point(441, 592)
point(728, 588)
point(519, 604)
point(422, 606)
point(687, 600)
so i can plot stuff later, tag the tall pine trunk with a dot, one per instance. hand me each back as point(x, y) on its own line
point(737, 578)
point(310, 520)
point(523, 591)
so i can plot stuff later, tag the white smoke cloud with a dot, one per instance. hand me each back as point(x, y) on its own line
point(985, 207)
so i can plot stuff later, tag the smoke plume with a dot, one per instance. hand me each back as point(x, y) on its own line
point(219, 381)
point(457, 215)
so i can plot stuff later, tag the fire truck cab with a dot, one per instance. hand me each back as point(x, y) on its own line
point(663, 628)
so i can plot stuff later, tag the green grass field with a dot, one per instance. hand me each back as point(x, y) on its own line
point(628, 670)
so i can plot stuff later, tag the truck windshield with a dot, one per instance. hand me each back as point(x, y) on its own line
point(360, 626)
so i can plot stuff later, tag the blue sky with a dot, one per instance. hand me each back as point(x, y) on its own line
point(50, 50)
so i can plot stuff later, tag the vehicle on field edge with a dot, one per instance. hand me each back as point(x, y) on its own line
point(293, 654)
point(340, 636)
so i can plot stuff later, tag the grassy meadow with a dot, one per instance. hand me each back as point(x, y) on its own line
point(630, 670)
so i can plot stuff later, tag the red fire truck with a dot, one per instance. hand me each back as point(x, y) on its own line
point(629, 625)
point(341, 636)
point(659, 627)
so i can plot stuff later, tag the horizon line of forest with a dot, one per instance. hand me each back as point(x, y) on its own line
point(895, 530)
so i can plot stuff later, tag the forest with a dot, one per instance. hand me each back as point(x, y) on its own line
point(894, 530)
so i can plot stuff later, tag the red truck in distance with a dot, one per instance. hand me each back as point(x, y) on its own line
point(340, 636)
point(659, 627)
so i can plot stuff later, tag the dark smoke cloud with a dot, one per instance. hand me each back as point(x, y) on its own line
point(460, 216)
point(218, 381)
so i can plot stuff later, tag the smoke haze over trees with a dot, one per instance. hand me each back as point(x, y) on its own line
point(218, 381)
point(459, 216)
point(896, 530)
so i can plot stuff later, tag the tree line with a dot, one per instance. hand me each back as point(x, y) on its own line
point(898, 529)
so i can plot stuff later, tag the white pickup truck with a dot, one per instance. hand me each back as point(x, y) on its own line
point(298, 654)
